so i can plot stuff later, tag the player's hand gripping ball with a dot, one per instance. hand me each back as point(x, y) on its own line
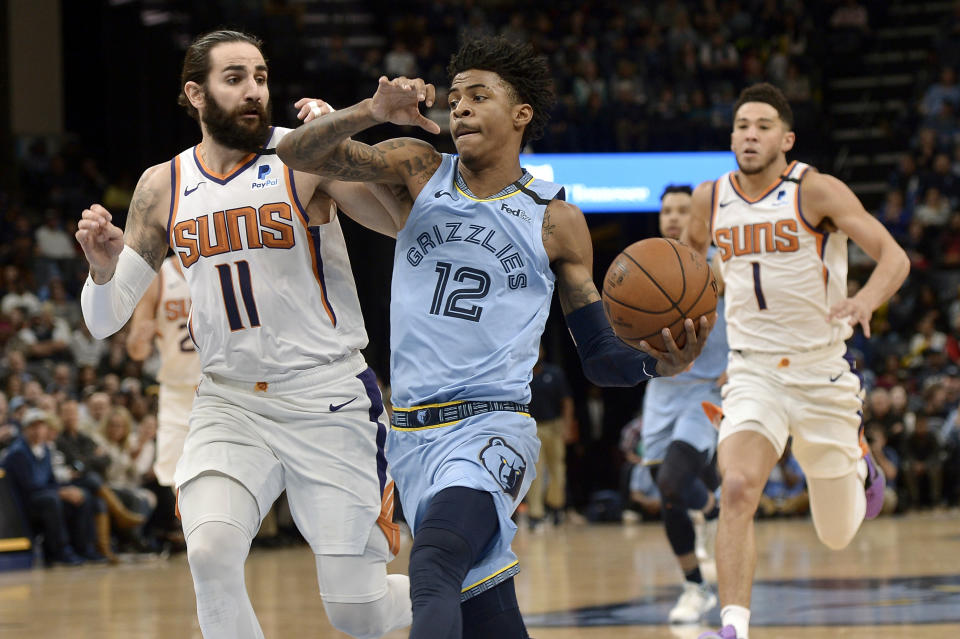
point(654, 284)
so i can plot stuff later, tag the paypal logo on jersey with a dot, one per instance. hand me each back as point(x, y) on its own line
point(264, 182)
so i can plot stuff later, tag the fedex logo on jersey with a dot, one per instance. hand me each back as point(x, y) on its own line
point(270, 226)
point(782, 236)
point(263, 182)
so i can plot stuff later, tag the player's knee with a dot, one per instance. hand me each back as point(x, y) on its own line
point(439, 560)
point(216, 552)
point(371, 619)
point(835, 538)
point(740, 493)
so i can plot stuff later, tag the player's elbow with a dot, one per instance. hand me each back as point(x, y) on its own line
point(903, 265)
point(100, 332)
point(285, 151)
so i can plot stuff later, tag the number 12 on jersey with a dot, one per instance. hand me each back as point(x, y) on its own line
point(452, 306)
point(230, 297)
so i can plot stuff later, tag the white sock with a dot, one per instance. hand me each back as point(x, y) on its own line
point(739, 618)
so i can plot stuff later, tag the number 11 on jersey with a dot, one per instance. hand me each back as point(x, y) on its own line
point(230, 297)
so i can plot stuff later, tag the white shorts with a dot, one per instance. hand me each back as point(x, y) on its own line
point(173, 422)
point(320, 435)
point(816, 397)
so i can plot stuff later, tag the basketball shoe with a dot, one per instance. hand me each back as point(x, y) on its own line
point(875, 482)
point(695, 601)
point(727, 632)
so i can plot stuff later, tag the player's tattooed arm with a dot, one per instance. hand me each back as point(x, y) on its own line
point(324, 145)
point(102, 241)
point(146, 231)
point(566, 239)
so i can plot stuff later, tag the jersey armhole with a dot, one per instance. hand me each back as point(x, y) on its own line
point(174, 198)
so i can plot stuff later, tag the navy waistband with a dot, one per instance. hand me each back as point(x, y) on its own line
point(437, 415)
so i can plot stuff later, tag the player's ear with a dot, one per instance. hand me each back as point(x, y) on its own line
point(522, 115)
point(788, 139)
point(194, 93)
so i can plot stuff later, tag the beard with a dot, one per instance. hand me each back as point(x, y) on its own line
point(225, 128)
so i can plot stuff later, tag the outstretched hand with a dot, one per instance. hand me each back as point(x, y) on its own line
point(101, 241)
point(675, 359)
point(398, 101)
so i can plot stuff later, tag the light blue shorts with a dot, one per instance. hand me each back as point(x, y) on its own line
point(672, 412)
point(494, 452)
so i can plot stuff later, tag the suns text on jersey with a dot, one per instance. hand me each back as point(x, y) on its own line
point(270, 226)
point(782, 236)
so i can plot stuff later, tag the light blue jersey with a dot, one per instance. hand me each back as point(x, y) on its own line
point(475, 285)
point(471, 292)
point(671, 405)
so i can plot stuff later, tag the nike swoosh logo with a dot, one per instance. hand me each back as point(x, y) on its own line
point(335, 407)
point(439, 193)
point(188, 191)
point(723, 204)
point(833, 379)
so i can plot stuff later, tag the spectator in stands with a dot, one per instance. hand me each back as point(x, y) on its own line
point(93, 415)
point(9, 430)
point(945, 91)
point(56, 249)
point(62, 513)
point(906, 178)
point(18, 294)
point(894, 215)
point(923, 465)
point(934, 210)
point(47, 337)
point(122, 474)
point(86, 350)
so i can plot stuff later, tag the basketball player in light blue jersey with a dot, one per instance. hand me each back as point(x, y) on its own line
point(480, 244)
point(678, 439)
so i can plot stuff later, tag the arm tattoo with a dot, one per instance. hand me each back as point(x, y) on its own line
point(146, 237)
point(575, 294)
point(546, 231)
point(323, 146)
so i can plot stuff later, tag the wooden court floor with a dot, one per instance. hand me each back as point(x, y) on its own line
point(899, 578)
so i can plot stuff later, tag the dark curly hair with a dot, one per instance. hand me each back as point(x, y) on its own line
point(768, 94)
point(518, 65)
point(196, 62)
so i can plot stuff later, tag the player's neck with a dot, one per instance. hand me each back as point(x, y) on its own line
point(488, 180)
point(756, 183)
point(218, 158)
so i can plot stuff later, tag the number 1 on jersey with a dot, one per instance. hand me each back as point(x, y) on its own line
point(230, 298)
point(761, 301)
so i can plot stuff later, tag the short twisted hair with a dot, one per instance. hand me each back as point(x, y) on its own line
point(518, 65)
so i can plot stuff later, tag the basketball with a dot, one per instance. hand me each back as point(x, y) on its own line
point(654, 284)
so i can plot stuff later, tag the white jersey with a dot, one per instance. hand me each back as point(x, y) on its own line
point(179, 364)
point(272, 296)
point(781, 274)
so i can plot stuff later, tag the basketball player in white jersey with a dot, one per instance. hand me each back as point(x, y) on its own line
point(286, 400)
point(782, 230)
point(160, 320)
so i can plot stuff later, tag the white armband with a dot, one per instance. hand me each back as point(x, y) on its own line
point(107, 307)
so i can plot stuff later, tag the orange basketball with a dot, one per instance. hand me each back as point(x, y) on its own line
point(655, 284)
